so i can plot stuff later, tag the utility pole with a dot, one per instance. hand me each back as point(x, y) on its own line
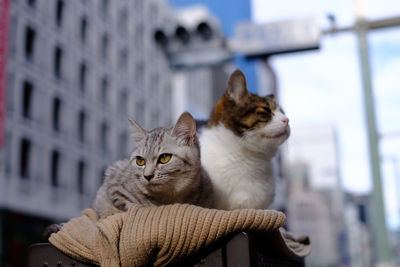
point(382, 250)
point(382, 255)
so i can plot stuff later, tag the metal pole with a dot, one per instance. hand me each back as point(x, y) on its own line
point(380, 237)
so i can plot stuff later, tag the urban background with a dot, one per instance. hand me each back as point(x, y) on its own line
point(73, 72)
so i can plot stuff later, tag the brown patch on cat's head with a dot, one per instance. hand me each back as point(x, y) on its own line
point(239, 110)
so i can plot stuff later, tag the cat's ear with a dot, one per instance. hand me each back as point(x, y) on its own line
point(185, 129)
point(137, 131)
point(272, 96)
point(237, 86)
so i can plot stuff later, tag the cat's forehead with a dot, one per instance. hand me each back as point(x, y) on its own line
point(158, 140)
point(153, 139)
point(252, 100)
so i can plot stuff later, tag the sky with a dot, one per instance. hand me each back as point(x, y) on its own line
point(324, 87)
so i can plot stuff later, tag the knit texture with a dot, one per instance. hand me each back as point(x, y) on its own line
point(157, 236)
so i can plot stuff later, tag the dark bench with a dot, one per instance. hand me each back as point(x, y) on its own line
point(243, 249)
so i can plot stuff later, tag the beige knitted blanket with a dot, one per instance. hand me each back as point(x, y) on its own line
point(162, 235)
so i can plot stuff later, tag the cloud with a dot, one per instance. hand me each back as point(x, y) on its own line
point(274, 10)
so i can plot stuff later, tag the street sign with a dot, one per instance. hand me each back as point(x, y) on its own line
point(204, 57)
point(256, 40)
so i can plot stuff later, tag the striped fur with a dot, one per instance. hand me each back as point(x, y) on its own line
point(181, 180)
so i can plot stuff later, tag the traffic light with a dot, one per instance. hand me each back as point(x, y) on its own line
point(199, 44)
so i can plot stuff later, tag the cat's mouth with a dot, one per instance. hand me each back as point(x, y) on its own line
point(279, 135)
point(153, 184)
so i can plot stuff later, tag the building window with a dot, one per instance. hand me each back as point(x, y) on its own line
point(82, 76)
point(10, 92)
point(58, 56)
point(56, 114)
point(24, 161)
point(80, 176)
point(104, 90)
point(27, 99)
point(31, 3)
point(140, 111)
point(30, 36)
point(104, 46)
point(84, 26)
point(123, 102)
point(12, 46)
point(59, 12)
point(123, 59)
point(54, 169)
point(123, 144)
point(81, 126)
point(104, 136)
point(123, 21)
point(104, 8)
point(9, 153)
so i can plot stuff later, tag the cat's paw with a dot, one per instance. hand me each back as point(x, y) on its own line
point(53, 228)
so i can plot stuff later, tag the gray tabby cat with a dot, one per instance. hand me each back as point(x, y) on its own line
point(164, 168)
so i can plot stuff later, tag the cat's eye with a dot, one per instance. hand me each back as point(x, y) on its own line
point(164, 158)
point(140, 161)
point(263, 111)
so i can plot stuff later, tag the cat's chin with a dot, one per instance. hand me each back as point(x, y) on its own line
point(154, 185)
point(281, 136)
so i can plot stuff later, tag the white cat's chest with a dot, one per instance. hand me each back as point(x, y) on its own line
point(241, 178)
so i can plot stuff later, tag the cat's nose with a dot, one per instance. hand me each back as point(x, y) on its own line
point(149, 177)
point(285, 120)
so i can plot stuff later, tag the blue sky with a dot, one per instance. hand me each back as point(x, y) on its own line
point(324, 87)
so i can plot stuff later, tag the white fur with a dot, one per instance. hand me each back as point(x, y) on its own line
point(240, 167)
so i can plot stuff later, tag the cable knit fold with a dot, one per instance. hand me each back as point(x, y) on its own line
point(157, 236)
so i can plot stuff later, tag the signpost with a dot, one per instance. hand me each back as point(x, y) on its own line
point(262, 40)
point(189, 49)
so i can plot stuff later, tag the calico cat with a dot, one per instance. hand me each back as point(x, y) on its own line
point(164, 168)
point(242, 136)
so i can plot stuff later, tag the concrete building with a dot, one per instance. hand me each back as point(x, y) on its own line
point(75, 71)
point(309, 214)
point(315, 147)
point(358, 226)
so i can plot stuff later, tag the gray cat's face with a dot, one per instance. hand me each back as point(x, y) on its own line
point(166, 159)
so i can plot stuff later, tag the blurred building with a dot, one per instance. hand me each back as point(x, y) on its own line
point(309, 214)
point(75, 71)
point(357, 220)
point(315, 205)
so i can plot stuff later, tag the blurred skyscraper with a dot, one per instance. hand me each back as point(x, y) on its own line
point(358, 223)
point(315, 198)
point(309, 213)
point(75, 71)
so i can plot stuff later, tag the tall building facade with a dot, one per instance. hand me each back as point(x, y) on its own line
point(309, 214)
point(315, 197)
point(76, 70)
